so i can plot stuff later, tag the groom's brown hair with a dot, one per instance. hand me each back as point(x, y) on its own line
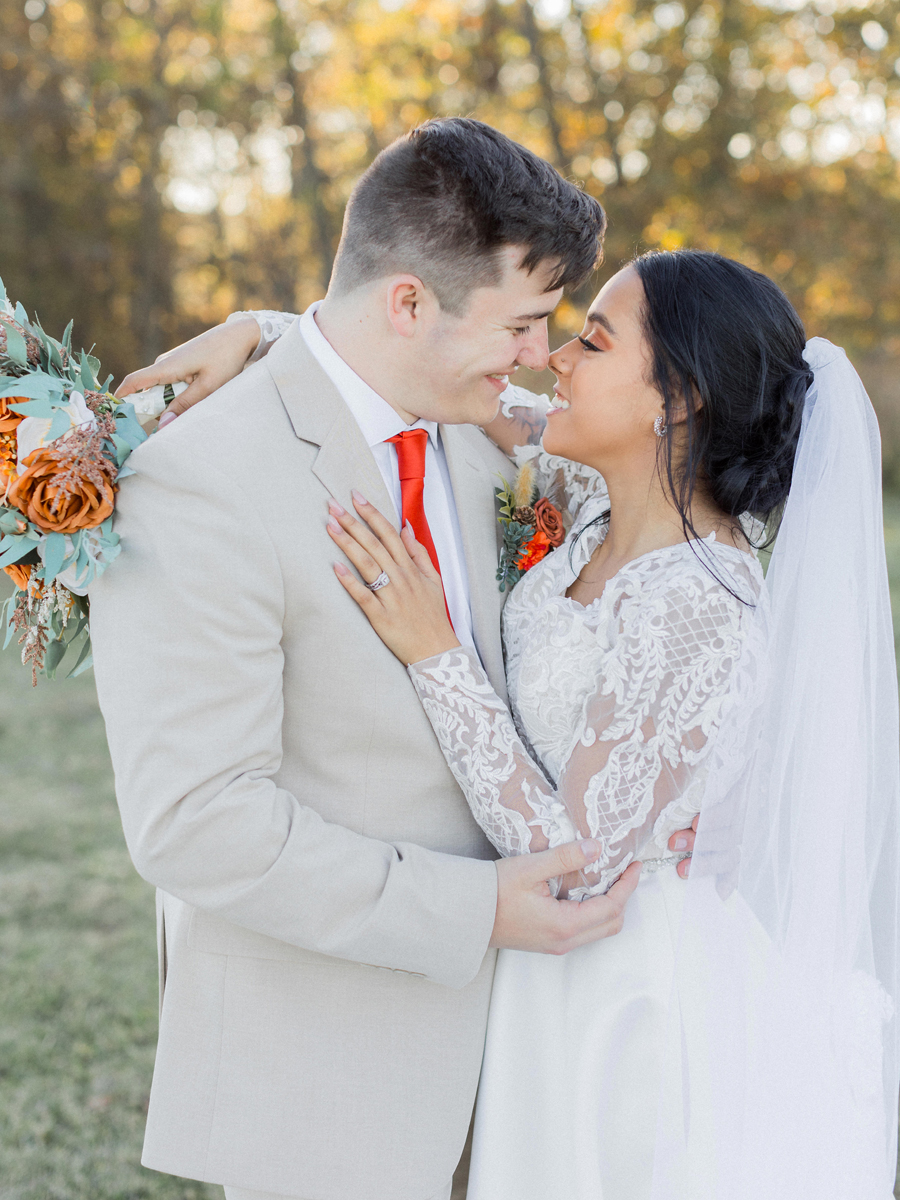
point(441, 203)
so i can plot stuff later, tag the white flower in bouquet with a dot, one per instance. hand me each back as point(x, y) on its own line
point(33, 432)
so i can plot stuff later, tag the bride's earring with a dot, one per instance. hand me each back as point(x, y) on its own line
point(658, 428)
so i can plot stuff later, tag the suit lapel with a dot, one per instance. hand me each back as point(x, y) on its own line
point(473, 491)
point(319, 415)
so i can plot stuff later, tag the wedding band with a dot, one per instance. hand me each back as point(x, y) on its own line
point(380, 582)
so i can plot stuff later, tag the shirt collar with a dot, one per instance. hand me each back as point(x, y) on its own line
point(375, 417)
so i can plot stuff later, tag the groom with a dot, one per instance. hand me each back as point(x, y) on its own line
point(327, 905)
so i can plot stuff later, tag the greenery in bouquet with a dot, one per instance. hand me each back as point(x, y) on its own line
point(532, 526)
point(64, 442)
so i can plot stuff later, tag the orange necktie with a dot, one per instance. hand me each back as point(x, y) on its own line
point(411, 446)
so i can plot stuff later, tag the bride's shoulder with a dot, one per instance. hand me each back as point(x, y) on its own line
point(677, 583)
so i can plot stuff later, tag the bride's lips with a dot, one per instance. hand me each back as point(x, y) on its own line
point(559, 403)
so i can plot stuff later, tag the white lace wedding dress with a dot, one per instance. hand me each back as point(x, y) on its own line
point(616, 705)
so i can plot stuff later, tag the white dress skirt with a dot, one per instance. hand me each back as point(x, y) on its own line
point(568, 1096)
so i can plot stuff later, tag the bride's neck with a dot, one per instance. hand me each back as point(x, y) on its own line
point(643, 517)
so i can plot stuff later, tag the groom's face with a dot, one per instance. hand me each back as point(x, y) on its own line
point(464, 362)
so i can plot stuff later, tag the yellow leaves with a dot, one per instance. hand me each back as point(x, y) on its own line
point(832, 295)
point(128, 179)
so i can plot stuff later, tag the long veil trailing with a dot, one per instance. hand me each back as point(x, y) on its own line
point(782, 1067)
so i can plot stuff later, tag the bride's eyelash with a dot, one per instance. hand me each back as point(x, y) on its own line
point(589, 345)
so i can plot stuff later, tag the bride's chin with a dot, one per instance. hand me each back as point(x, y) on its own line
point(553, 443)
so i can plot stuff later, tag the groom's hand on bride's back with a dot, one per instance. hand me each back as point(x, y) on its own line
point(529, 918)
point(205, 363)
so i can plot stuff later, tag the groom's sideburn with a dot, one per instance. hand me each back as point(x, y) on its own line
point(325, 897)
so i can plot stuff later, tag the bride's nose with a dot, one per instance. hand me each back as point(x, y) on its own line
point(560, 361)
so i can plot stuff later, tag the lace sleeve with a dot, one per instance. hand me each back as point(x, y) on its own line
point(636, 756)
point(271, 326)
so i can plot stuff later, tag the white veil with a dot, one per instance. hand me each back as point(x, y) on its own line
point(782, 1067)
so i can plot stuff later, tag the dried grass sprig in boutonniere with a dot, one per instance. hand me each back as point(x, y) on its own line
point(532, 526)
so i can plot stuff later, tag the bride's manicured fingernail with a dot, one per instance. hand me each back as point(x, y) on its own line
point(590, 848)
point(341, 569)
point(358, 497)
point(681, 843)
point(332, 526)
point(166, 419)
point(335, 508)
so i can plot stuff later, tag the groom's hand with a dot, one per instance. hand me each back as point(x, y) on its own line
point(529, 918)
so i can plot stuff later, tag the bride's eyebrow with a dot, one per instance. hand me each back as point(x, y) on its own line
point(599, 318)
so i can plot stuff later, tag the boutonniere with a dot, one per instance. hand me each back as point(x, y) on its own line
point(532, 526)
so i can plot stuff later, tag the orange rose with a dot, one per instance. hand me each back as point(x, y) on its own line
point(9, 419)
point(548, 520)
point(82, 503)
point(19, 573)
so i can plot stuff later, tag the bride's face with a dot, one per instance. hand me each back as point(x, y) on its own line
point(604, 407)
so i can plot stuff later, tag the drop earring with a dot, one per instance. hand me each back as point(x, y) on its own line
point(658, 428)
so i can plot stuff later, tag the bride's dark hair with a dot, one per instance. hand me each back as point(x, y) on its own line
point(727, 339)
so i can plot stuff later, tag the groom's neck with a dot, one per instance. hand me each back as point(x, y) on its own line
point(358, 332)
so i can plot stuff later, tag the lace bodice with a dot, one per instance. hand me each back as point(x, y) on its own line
point(616, 703)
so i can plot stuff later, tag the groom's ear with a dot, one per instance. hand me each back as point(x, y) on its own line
point(407, 302)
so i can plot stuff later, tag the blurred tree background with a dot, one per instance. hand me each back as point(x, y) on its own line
point(167, 161)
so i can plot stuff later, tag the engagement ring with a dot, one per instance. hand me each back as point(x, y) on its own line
point(380, 582)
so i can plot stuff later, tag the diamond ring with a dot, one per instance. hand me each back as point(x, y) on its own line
point(379, 583)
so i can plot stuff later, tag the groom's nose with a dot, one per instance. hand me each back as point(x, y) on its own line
point(534, 350)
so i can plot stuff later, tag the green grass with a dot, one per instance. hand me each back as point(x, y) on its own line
point(78, 952)
point(78, 992)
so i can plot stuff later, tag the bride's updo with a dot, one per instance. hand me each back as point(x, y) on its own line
point(728, 337)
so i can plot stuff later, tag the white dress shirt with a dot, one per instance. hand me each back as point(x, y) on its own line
point(378, 421)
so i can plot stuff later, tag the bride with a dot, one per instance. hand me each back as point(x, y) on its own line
point(685, 396)
point(736, 1040)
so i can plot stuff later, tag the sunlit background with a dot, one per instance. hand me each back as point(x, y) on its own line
point(163, 163)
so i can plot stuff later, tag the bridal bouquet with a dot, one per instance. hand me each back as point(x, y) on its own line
point(64, 442)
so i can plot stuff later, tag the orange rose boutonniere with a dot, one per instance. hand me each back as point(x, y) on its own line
point(532, 527)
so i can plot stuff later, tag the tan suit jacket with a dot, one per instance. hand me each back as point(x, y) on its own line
point(325, 897)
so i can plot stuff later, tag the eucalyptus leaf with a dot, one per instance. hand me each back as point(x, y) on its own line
point(124, 472)
point(16, 348)
point(54, 555)
point(10, 628)
point(88, 380)
point(128, 426)
point(3, 299)
point(37, 385)
point(85, 660)
point(53, 656)
point(15, 548)
point(123, 448)
point(61, 423)
point(67, 337)
point(21, 315)
point(42, 408)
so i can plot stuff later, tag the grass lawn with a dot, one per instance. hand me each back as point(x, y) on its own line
point(78, 953)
